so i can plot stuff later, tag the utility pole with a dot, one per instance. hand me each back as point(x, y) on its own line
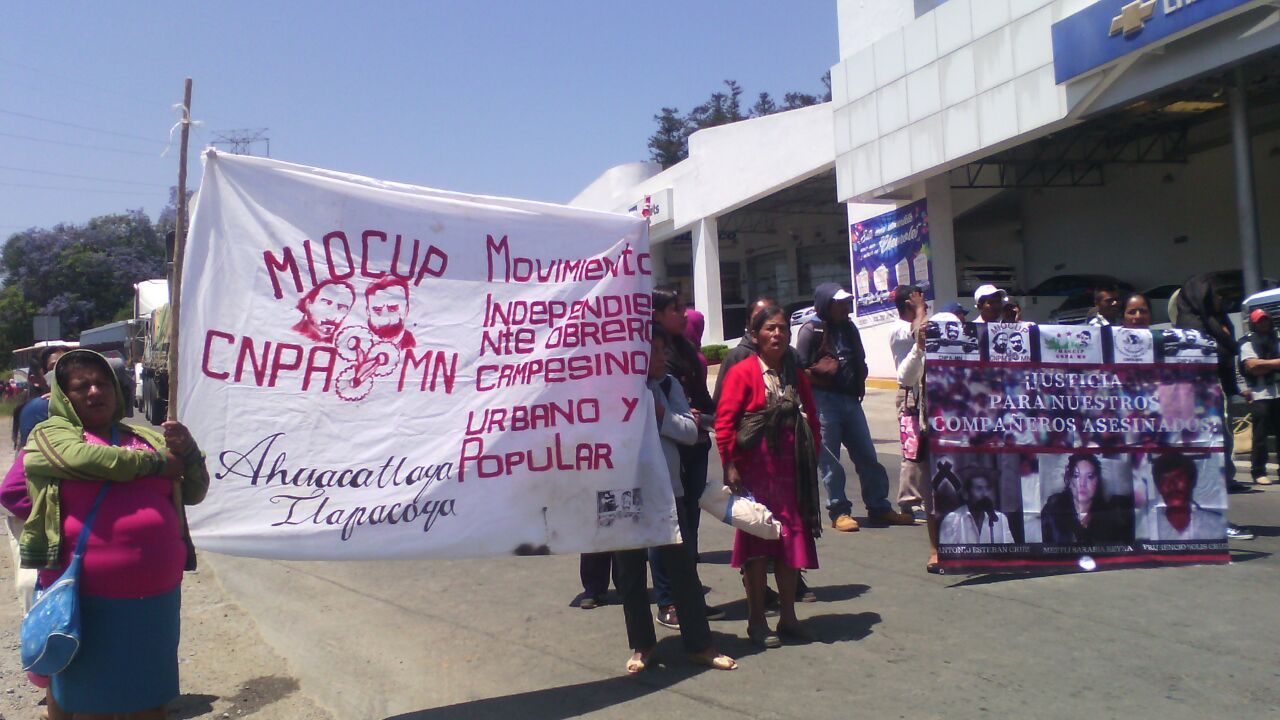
point(179, 247)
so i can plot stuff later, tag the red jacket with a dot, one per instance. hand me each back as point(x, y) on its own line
point(744, 392)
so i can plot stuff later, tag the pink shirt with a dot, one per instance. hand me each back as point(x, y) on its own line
point(13, 491)
point(135, 547)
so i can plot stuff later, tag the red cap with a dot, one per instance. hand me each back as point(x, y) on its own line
point(1257, 315)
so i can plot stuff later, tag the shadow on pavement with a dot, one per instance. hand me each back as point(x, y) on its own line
point(1264, 530)
point(992, 578)
point(190, 706)
point(840, 627)
point(574, 700)
point(561, 702)
point(736, 610)
point(262, 691)
point(1238, 555)
point(254, 695)
point(836, 593)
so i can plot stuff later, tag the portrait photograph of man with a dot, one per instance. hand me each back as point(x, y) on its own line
point(1179, 509)
point(977, 521)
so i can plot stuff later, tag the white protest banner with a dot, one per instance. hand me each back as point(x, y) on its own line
point(377, 370)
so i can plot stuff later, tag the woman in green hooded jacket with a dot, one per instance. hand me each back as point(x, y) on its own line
point(130, 582)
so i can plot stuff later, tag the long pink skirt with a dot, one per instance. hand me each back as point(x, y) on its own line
point(771, 478)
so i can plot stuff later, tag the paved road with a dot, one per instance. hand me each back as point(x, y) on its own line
point(226, 669)
point(498, 638)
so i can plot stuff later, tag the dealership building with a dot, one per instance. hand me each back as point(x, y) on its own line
point(971, 141)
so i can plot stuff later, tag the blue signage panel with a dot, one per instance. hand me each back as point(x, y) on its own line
point(1110, 29)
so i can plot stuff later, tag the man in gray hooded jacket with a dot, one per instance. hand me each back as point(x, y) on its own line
point(832, 355)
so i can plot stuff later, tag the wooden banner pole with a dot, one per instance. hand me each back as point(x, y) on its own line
point(179, 249)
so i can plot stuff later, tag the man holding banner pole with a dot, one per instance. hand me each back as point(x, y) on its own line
point(906, 342)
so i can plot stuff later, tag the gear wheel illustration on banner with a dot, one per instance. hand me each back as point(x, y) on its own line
point(369, 359)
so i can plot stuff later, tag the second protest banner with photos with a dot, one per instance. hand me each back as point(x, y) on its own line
point(378, 370)
point(1074, 446)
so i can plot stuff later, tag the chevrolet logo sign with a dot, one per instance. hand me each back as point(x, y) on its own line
point(1132, 17)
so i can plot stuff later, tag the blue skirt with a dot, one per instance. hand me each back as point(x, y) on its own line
point(128, 658)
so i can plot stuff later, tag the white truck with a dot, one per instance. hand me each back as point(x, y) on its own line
point(151, 369)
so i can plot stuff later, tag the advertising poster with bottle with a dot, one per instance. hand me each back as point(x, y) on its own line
point(887, 251)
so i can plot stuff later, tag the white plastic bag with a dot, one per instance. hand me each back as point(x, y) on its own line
point(742, 512)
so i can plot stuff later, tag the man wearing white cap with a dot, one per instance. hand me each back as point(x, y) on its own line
point(990, 302)
point(832, 355)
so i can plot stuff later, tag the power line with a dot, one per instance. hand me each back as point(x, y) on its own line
point(78, 145)
point(82, 177)
point(77, 81)
point(79, 127)
point(111, 91)
point(134, 193)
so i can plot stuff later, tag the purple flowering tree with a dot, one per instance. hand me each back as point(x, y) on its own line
point(84, 274)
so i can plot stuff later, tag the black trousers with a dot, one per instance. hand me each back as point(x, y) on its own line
point(594, 569)
point(686, 590)
point(1266, 422)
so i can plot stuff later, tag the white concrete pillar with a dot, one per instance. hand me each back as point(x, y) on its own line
point(942, 239)
point(706, 278)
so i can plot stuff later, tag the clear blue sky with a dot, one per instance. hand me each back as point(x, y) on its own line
point(524, 99)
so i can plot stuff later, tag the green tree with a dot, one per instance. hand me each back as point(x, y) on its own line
point(720, 109)
point(83, 274)
point(16, 315)
point(796, 100)
point(764, 106)
point(669, 145)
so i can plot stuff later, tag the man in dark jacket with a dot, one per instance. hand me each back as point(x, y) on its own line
point(1199, 307)
point(746, 347)
point(832, 355)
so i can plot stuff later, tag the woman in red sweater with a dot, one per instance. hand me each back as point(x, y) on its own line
point(768, 434)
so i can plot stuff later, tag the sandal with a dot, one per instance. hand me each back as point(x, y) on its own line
point(764, 637)
point(718, 661)
point(639, 664)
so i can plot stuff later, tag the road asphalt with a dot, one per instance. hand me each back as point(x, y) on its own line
point(503, 638)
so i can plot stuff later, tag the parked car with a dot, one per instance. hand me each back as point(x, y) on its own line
point(1231, 285)
point(800, 313)
point(971, 275)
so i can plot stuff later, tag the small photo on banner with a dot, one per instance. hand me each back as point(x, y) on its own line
point(978, 498)
point(1009, 342)
point(1074, 344)
point(1190, 412)
point(1186, 347)
point(1082, 498)
point(1185, 497)
point(952, 340)
point(1132, 345)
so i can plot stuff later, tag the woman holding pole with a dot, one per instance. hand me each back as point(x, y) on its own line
point(83, 457)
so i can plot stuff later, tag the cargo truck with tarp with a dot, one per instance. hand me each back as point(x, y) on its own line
point(151, 312)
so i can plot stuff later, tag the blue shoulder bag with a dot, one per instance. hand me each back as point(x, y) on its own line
point(51, 628)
